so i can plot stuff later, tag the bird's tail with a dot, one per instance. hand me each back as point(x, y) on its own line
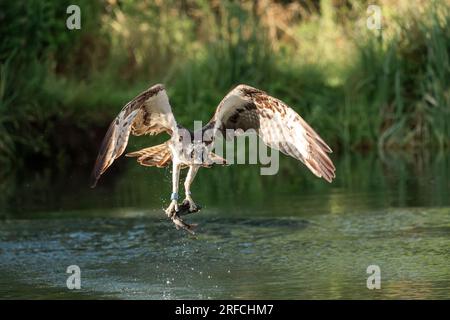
point(156, 156)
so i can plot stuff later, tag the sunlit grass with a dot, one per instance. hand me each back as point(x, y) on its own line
point(360, 88)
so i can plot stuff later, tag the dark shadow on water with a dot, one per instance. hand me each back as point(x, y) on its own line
point(363, 182)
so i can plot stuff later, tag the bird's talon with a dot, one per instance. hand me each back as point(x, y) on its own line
point(172, 209)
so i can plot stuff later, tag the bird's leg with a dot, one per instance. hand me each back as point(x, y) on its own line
point(172, 210)
point(188, 201)
point(173, 207)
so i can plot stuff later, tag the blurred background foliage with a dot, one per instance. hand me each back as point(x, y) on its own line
point(361, 89)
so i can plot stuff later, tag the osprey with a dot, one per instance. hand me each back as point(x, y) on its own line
point(243, 108)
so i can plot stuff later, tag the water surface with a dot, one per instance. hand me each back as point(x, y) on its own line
point(289, 236)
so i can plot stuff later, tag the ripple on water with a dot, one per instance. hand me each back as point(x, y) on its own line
point(325, 256)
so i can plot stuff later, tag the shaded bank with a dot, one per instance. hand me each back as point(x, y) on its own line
point(361, 89)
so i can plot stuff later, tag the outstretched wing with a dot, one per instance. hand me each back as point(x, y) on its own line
point(148, 113)
point(279, 126)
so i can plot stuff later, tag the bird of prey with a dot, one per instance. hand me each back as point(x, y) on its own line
point(243, 108)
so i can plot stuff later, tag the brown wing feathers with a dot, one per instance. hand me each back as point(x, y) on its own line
point(278, 125)
point(148, 113)
point(316, 158)
point(113, 145)
point(318, 161)
point(106, 150)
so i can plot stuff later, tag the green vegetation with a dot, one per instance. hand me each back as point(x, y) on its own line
point(362, 89)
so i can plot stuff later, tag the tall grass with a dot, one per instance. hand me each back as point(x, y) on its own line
point(398, 91)
point(361, 89)
point(34, 46)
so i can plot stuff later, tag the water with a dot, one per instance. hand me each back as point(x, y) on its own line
point(289, 236)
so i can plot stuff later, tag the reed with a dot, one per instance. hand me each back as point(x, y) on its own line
point(361, 89)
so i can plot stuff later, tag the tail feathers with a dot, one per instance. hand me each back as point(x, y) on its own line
point(156, 156)
point(159, 156)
